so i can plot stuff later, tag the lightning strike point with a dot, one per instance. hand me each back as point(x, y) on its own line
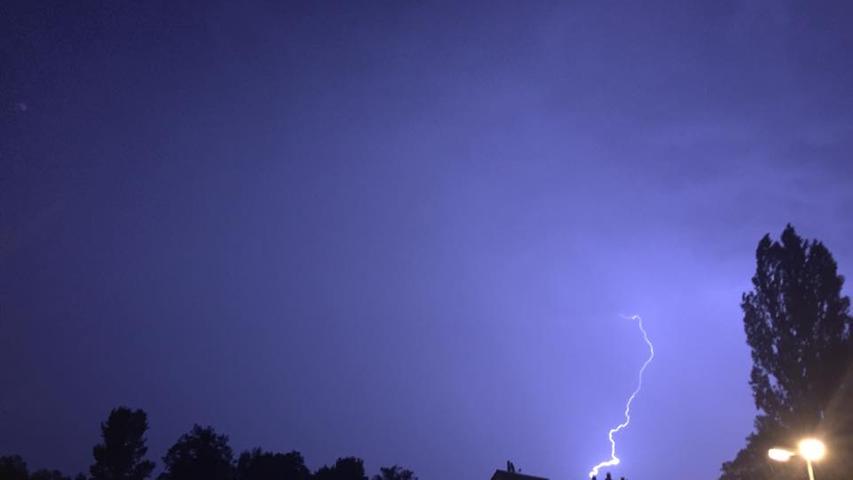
point(614, 460)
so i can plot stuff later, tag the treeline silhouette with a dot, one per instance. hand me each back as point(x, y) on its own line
point(200, 454)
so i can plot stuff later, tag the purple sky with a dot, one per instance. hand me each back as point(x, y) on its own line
point(406, 231)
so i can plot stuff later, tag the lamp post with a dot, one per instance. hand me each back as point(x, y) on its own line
point(811, 449)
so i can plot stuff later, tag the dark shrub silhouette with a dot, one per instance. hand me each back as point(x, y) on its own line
point(348, 468)
point(45, 474)
point(13, 467)
point(395, 472)
point(200, 454)
point(259, 465)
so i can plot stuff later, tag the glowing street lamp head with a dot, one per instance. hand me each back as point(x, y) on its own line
point(780, 454)
point(812, 449)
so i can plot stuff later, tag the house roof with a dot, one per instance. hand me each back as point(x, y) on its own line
point(504, 475)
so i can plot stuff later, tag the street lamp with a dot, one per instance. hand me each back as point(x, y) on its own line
point(780, 454)
point(811, 449)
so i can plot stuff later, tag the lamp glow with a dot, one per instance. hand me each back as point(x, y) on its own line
point(780, 454)
point(812, 449)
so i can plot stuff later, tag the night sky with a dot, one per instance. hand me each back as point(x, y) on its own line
point(405, 230)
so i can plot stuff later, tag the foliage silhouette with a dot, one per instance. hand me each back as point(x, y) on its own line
point(201, 454)
point(798, 328)
point(260, 465)
point(121, 455)
point(13, 467)
point(347, 468)
point(45, 474)
point(395, 472)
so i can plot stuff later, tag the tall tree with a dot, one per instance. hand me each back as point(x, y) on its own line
point(201, 454)
point(798, 328)
point(348, 468)
point(259, 465)
point(121, 453)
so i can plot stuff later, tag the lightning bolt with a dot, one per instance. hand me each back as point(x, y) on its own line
point(614, 460)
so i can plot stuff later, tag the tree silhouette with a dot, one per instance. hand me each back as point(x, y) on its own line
point(798, 329)
point(260, 465)
point(13, 467)
point(121, 455)
point(200, 454)
point(348, 468)
point(395, 472)
point(45, 474)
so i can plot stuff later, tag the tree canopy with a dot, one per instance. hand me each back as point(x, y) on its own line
point(259, 465)
point(121, 455)
point(346, 468)
point(395, 472)
point(201, 454)
point(13, 467)
point(798, 329)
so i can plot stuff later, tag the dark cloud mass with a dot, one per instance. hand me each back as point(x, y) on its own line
point(403, 230)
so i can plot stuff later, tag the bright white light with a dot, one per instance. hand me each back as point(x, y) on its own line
point(812, 449)
point(780, 454)
point(614, 460)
